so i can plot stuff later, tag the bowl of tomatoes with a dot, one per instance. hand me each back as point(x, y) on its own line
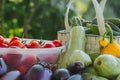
point(20, 53)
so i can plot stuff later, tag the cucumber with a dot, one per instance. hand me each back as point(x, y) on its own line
point(93, 28)
point(113, 26)
point(115, 21)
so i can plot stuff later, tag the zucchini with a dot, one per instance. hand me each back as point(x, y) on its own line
point(113, 26)
point(115, 21)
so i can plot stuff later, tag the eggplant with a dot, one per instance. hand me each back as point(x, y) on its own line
point(3, 67)
point(12, 75)
point(61, 74)
point(47, 74)
point(36, 72)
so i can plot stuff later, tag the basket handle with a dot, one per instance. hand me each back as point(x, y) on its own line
point(102, 4)
point(99, 8)
point(100, 18)
point(67, 26)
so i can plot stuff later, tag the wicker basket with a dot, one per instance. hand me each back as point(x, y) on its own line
point(91, 42)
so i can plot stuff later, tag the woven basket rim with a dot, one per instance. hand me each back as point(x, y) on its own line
point(93, 35)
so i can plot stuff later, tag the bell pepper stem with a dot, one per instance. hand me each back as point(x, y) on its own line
point(104, 35)
point(110, 31)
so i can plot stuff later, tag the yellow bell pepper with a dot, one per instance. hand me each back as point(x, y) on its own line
point(112, 47)
point(103, 41)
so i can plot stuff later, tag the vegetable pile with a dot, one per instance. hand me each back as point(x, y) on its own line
point(75, 63)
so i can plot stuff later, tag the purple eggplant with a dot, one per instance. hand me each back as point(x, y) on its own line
point(36, 72)
point(75, 77)
point(12, 75)
point(47, 74)
point(61, 74)
point(3, 67)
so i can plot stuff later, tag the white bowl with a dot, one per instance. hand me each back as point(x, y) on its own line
point(45, 54)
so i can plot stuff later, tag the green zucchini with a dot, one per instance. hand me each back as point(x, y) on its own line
point(115, 21)
point(113, 26)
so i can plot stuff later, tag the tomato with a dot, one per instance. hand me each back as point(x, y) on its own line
point(3, 45)
point(13, 39)
point(1, 39)
point(21, 62)
point(57, 43)
point(16, 43)
point(22, 69)
point(33, 44)
point(48, 45)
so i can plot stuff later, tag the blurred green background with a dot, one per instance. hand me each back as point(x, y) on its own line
point(43, 18)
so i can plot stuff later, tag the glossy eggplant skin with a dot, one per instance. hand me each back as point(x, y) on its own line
point(75, 77)
point(3, 67)
point(36, 72)
point(76, 67)
point(11, 75)
point(47, 74)
point(61, 74)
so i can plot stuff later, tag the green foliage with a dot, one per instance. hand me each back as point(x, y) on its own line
point(43, 18)
point(33, 18)
point(111, 10)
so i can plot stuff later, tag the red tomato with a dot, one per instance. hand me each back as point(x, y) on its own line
point(22, 69)
point(1, 39)
point(3, 45)
point(33, 44)
point(57, 43)
point(13, 39)
point(19, 62)
point(48, 45)
point(16, 43)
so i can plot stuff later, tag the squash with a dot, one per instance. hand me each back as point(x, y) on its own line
point(88, 76)
point(93, 56)
point(112, 47)
point(107, 65)
point(90, 70)
point(79, 55)
point(76, 42)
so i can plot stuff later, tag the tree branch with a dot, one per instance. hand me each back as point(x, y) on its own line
point(33, 12)
point(27, 21)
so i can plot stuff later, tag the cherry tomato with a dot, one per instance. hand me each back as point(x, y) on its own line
point(22, 69)
point(48, 45)
point(13, 39)
point(3, 45)
point(33, 44)
point(57, 43)
point(16, 43)
point(1, 39)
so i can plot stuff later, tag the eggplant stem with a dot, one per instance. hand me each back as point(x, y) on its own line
point(110, 31)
